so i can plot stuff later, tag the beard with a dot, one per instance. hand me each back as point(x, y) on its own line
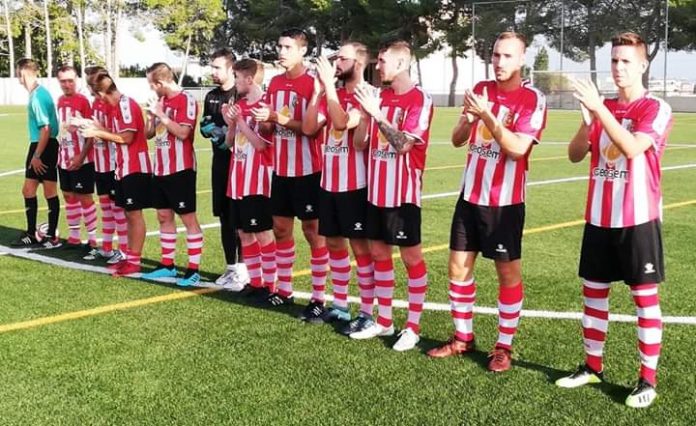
point(345, 75)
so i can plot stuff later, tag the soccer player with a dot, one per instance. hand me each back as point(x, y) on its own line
point(113, 217)
point(297, 171)
point(133, 167)
point(42, 158)
point(343, 195)
point(625, 137)
point(399, 137)
point(172, 122)
point(501, 120)
point(75, 162)
point(213, 128)
point(249, 188)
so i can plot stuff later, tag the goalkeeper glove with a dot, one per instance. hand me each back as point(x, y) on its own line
point(207, 126)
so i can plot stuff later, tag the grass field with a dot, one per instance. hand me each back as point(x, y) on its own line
point(83, 348)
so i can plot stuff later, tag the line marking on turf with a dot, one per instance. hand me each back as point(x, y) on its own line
point(440, 195)
point(11, 172)
point(38, 322)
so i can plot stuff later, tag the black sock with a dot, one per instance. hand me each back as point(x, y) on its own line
point(228, 234)
point(31, 207)
point(53, 214)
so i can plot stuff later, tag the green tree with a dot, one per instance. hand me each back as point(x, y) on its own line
point(188, 26)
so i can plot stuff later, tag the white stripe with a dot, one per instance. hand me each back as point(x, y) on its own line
point(11, 172)
point(596, 285)
point(649, 336)
point(595, 323)
point(552, 181)
point(650, 361)
point(651, 312)
point(510, 309)
point(598, 304)
point(439, 307)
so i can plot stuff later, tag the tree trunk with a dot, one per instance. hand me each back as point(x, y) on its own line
point(487, 64)
point(49, 46)
point(115, 60)
point(651, 56)
point(185, 61)
point(455, 76)
point(10, 42)
point(592, 45)
point(79, 11)
point(27, 33)
point(107, 37)
point(418, 68)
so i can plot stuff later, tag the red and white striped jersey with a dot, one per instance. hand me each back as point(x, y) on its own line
point(344, 168)
point(295, 154)
point(491, 178)
point(133, 157)
point(250, 170)
point(626, 192)
point(71, 142)
point(172, 154)
point(395, 179)
point(104, 152)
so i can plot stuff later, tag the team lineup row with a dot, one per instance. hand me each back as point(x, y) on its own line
point(347, 160)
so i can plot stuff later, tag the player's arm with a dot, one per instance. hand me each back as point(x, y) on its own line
point(36, 163)
point(462, 131)
point(361, 133)
point(311, 121)
point(181, 131)
point(258, 142)
point(370, 102)
point(514, 145)
point(579, 146)
point(150, 126)
point(204, 129)
point(125, 137)
point(630, 144)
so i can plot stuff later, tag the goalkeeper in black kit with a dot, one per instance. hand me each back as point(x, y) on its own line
point(213, 127)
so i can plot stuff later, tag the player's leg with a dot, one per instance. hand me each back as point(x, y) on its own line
point(283, 213)
point(194, 249)
point(50, 190)
point(28, 238)
point(462, 296)
point(366, 286)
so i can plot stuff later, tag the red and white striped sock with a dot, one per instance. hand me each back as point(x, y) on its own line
point(168, 248)
point(384, 290)
point(121, 225)
point(509, 308)
point(366, 284)
point(649, 314)
point(108, 224)
point(268, 265)
point(89, 213)
point(285, 258)
point(73, 211)
point(339, 262)
point(595, 322)
point(417, 287)
point(194, 247)
point(319, 264)
point(462, 296)
point(133, 257)
point(252, 259)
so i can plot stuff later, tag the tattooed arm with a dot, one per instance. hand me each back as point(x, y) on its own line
point(401, 141)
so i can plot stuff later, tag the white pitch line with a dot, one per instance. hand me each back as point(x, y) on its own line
point(429, 306)
point(11, 172)
point(552, 181)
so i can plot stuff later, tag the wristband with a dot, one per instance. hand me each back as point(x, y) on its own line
point(37, 156)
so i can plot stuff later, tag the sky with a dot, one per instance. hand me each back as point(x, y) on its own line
point(680, 65)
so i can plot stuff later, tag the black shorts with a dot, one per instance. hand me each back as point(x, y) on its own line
point(343, 214)
point(134, 192)
point(296, 196)
point(398, 226)
point(496, 232)
point(49, 157)
point(175, 192)
point(106, 184)
point(251, 214)
point(80, 181)
point(632, 255)
point(219, 179)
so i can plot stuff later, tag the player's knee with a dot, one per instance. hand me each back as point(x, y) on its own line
point(165, 216)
